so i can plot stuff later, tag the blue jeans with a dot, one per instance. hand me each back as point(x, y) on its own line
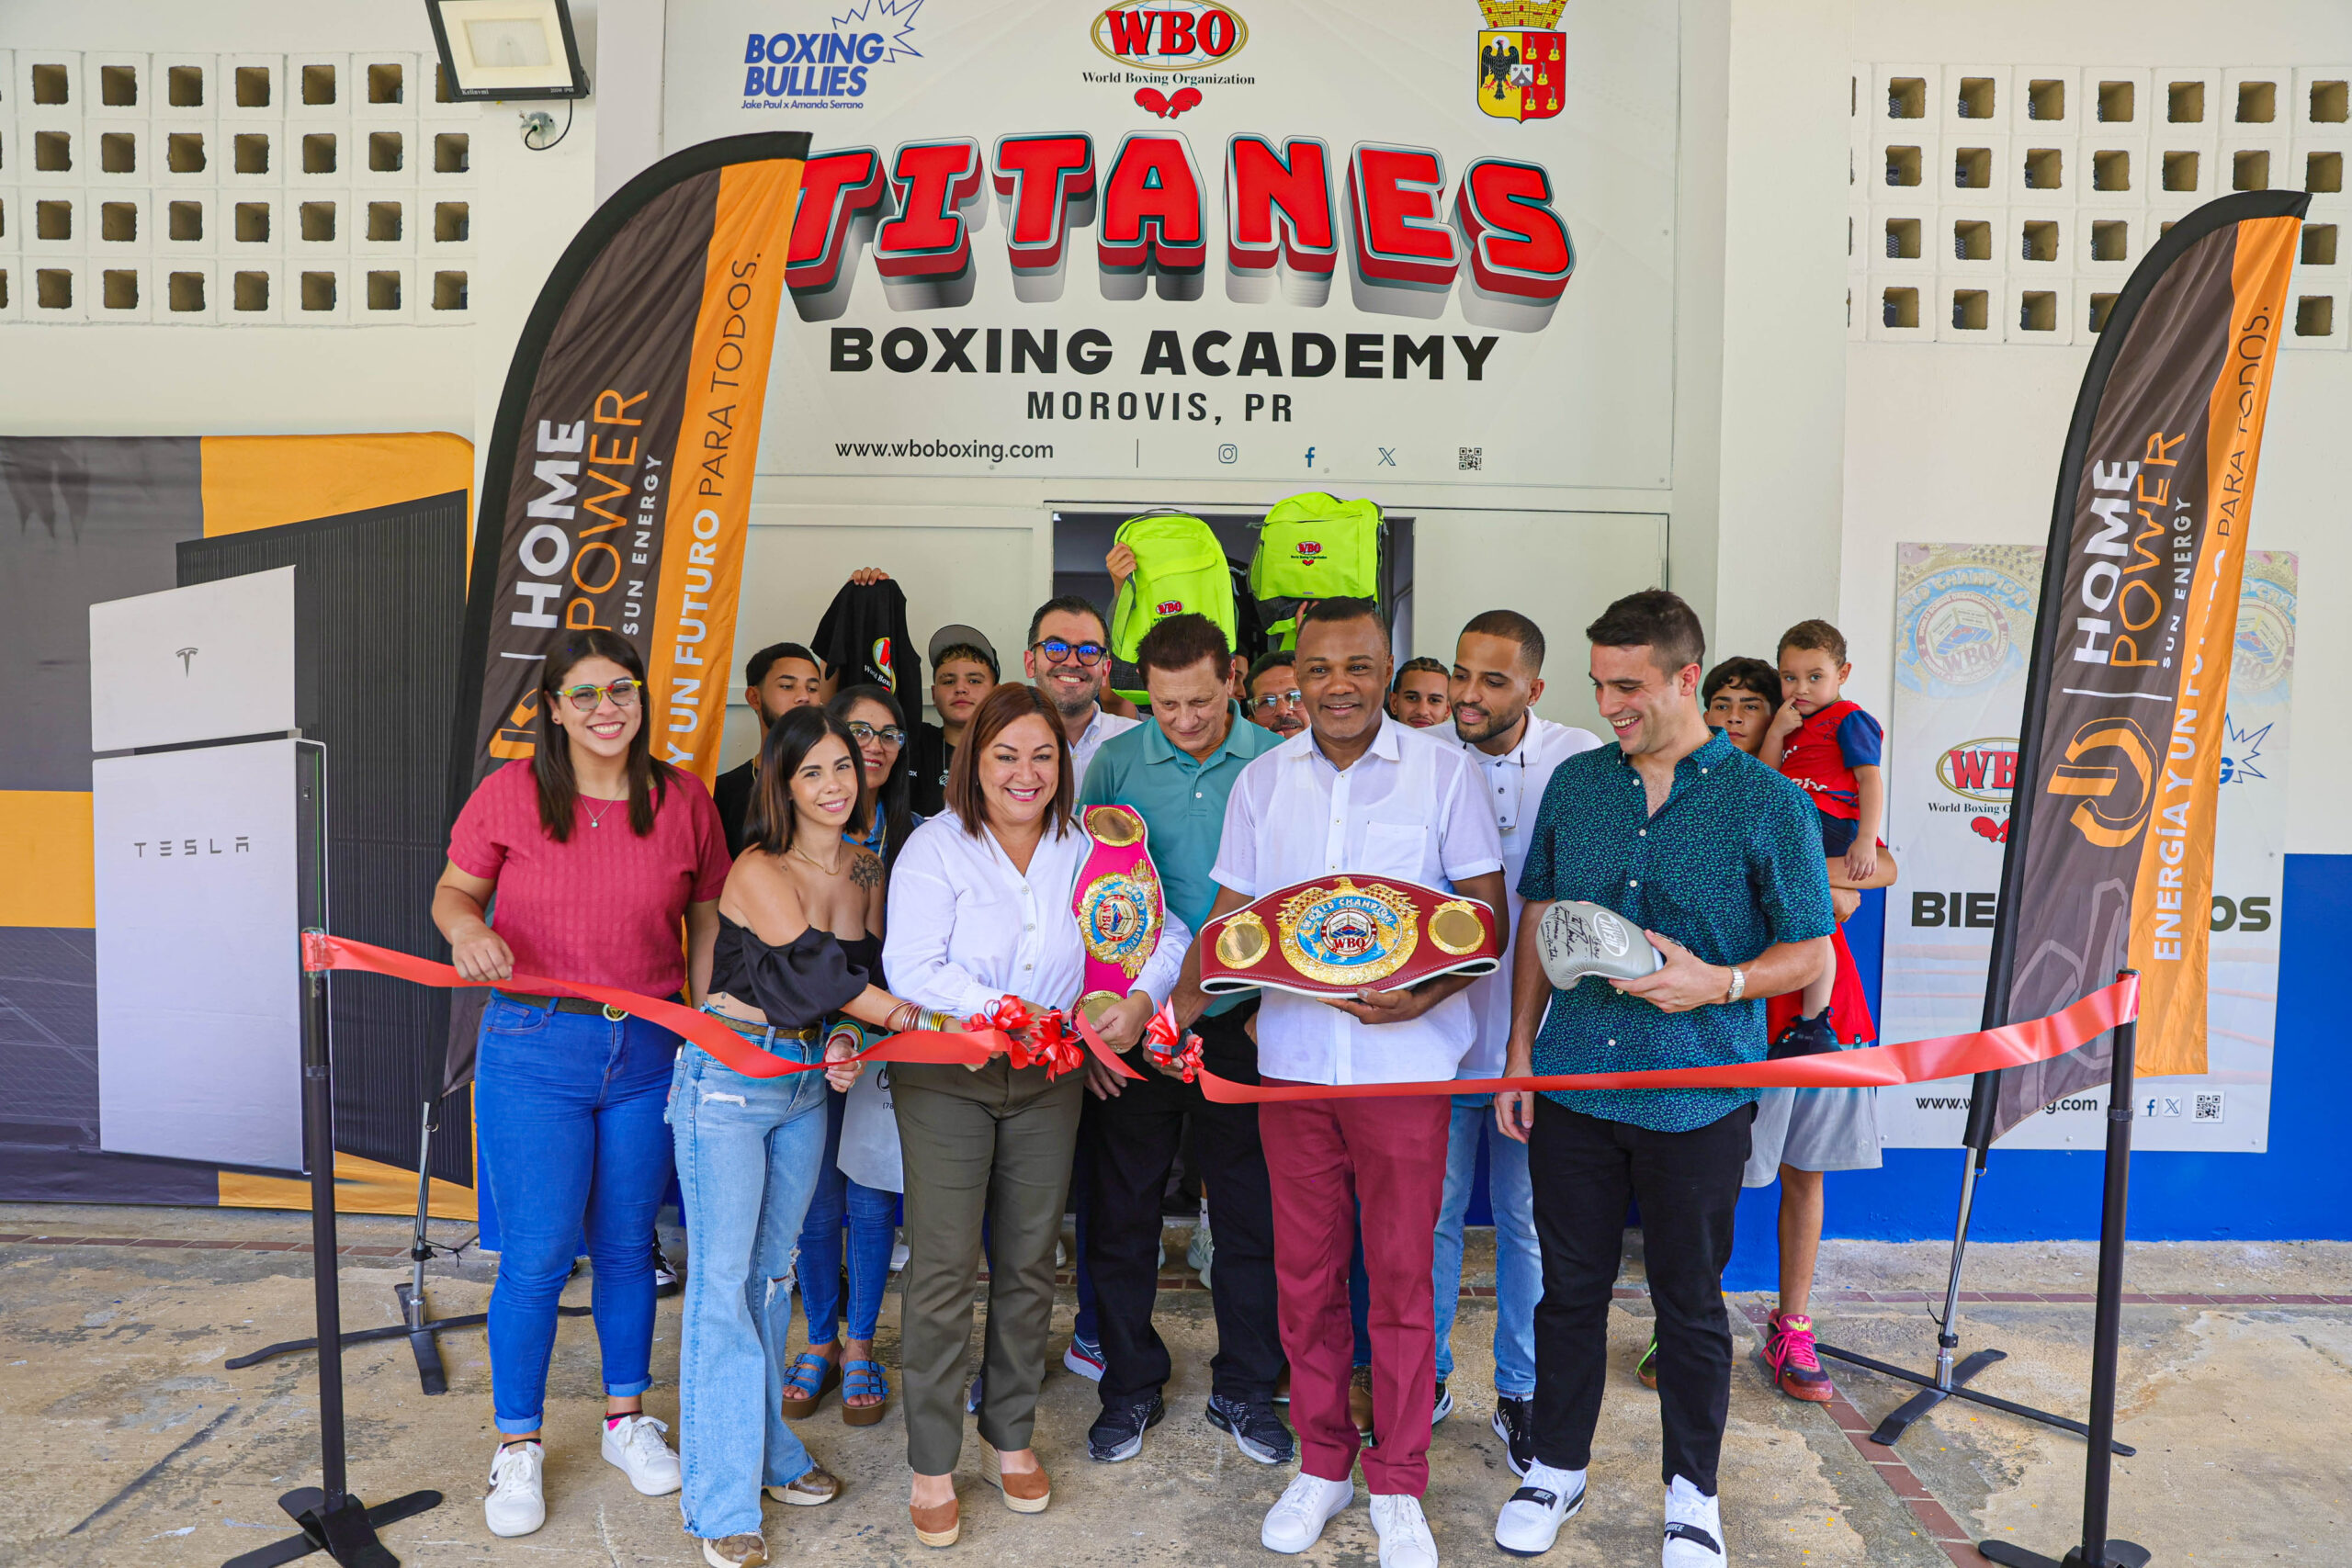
point(1519, 1262)
point(872, 1222)
point(568, 1114)
point(748, 1150)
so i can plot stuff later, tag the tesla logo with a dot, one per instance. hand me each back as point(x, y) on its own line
point(2109, 766)
point(184, 655)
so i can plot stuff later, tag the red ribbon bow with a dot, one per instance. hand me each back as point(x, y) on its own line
point(1160, 1044)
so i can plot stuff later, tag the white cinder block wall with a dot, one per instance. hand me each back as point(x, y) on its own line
point(1810, 436)
point(1953, 432)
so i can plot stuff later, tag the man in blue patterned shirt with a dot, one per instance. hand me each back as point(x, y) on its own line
point(1717, 858)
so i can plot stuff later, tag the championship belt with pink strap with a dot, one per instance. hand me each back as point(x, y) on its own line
point(1338, 935)
point(1119, 906)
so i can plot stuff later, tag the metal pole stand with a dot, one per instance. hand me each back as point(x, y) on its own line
point(1950, 1380)
point(2096, 1549)
point(332, 1521)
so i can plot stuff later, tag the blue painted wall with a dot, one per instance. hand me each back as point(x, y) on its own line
point(2300, 1191)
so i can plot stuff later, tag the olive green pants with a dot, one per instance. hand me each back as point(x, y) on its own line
point(996, 1145)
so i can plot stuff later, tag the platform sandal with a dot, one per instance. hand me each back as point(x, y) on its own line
point(862, 1377)
point(802, 1392)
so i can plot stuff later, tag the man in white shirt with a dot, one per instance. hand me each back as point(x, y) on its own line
point(1068, 658)
point(1361, 793)
point(1498, 676)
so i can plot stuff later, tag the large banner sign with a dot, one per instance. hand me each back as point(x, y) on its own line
point(1315, 245)
point(1964, 620)
point(618, 476)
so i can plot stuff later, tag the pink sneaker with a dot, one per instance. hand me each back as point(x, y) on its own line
point(1796, 1368)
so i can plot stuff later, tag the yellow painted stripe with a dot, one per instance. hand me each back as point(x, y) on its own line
point(45, 844)
point(361, 1187)
point(262, 482)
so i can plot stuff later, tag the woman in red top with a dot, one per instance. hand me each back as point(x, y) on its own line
point(568, 1096)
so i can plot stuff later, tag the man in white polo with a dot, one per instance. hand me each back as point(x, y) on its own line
point(1359, 794)
point(1497, 678)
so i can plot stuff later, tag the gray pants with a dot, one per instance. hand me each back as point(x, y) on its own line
point(993, 1145)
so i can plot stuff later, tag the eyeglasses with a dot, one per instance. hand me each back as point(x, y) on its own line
point(1059, 651)
point(1272, 701)
point(861, 732)
point(624, 692)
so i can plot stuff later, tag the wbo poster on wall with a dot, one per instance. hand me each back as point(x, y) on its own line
point(1310, 243)
point(1964, 617)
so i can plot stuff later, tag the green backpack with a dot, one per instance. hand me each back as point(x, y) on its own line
point(1314, 547)
point(1180, 569)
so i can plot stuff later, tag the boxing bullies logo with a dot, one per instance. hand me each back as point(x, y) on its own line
point(2110, 767)
point(832, 66)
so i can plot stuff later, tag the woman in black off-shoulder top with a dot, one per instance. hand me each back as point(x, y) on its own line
point(797, 941)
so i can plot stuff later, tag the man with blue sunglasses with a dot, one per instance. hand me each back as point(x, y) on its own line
point(1068, 658)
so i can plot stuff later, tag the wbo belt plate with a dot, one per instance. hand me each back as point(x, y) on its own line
point(1118, 915)
point(1340, 934)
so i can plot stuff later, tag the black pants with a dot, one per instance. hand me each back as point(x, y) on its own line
point(1135, 1137)
point(1583, 1169)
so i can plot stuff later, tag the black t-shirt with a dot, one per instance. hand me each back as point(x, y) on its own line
point(732, 795)
point(929, 759)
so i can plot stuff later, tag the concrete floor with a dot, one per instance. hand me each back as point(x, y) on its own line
point(134, 1445)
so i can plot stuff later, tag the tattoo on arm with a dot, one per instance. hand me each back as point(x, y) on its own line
point(865, 869)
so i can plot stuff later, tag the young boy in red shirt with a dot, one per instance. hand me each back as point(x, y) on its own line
point(1831, 748)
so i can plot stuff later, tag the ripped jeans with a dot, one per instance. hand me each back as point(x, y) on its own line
point(748, 1152)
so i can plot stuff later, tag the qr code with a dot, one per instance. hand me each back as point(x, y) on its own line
point(2209, 1108)
point(1473, 459)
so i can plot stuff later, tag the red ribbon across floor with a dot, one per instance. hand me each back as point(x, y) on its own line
point(1029, 1038)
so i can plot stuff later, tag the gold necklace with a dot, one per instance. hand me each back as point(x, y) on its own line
point(833, 870)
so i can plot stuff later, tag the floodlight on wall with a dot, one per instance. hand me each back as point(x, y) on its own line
point(508, 48)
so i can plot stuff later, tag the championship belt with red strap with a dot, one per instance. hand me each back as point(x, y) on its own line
point(1119, 906)
point(1338, 935)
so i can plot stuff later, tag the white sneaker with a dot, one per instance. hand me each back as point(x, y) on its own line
point(517, 1505)
point(1694, 1528)
point(1532, 1519)
point(1404, 1534)
point(633, 1444)
point(1296, 1521)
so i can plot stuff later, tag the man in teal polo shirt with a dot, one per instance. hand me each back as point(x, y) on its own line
point(1176, 773)
point(1713, 856)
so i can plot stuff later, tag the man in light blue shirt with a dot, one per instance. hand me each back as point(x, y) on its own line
point(1176, 773)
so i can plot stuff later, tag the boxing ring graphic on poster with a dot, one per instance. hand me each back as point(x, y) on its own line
point(1965, 619)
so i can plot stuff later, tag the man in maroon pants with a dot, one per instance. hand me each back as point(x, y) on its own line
point(1363, 794)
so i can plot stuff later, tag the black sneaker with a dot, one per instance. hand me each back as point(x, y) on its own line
point(1805, 1037)
point(1257, 1430)
point(665, 1277)
point(1117, 1433)
point(1442, 1407)
point(1515, 1424)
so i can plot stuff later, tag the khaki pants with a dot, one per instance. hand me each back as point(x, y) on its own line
point(993, 1145)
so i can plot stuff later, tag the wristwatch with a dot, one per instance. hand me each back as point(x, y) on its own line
point(1738, 986)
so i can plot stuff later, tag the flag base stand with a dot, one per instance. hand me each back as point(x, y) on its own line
point(1949, 1380)
point(2119, 1554)
point(345, 1533)
point(2097, 1550)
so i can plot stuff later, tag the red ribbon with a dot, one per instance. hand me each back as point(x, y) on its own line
point(1035, 1038)
point(1160, 1037)
point(1875, 1066)
point(969, 1047)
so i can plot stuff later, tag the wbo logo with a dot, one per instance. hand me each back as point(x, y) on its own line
point(1522, 58)
point(1985, 770)
point(2109, 766)
point(834, 63)
point(1174, 35)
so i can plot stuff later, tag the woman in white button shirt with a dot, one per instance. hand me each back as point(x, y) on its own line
point(980, 908)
